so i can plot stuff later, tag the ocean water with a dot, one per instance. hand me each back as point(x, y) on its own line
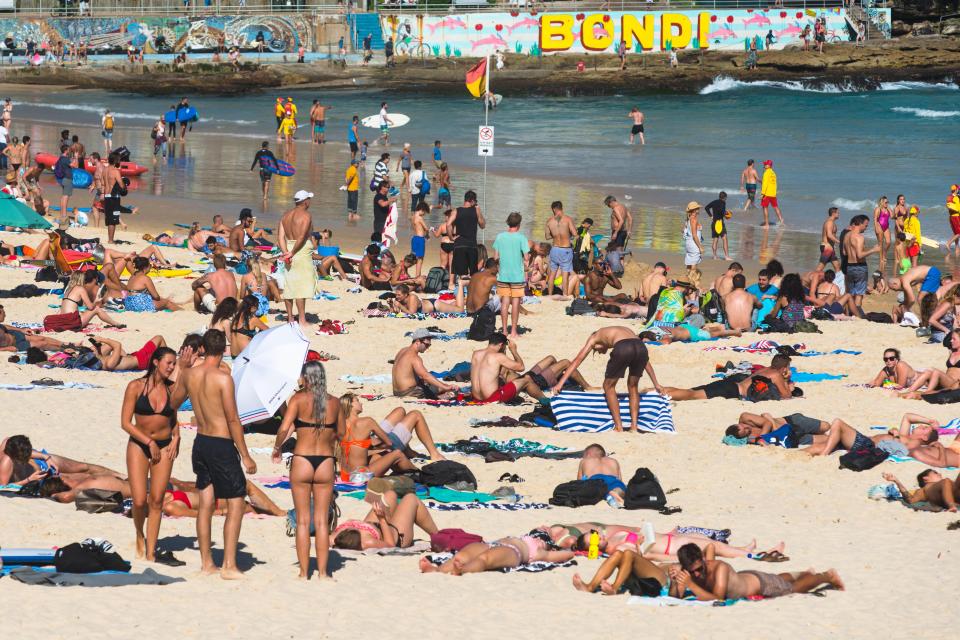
point(831, 147)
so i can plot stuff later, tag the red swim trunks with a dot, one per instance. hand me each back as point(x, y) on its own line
point(955, 223)
point(506, 393)
point(769, 201)
point(144, 354)
point(913, 250)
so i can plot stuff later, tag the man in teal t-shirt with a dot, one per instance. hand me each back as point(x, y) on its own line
point(511, 248)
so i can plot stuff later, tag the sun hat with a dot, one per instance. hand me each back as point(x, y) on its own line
point(693, 205)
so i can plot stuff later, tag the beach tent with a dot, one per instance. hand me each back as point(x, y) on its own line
point(14, 213)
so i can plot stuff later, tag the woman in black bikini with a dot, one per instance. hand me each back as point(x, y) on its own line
point(316, 416)
point(245, 324)
point(153, 446)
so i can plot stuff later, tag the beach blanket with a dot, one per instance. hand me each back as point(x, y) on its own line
point(514, 446)
point(501, 506)
point(902, 459)
point(771, 346)
point(532, 567)
point(795, 376)
point(37, 575)
point(586, 412)
point(670, 601)
point(444, 337)
point(65, 385)
point(380, 378)
point(433, 315)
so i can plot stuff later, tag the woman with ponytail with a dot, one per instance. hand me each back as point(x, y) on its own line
point(151, 422)
point(316, 417)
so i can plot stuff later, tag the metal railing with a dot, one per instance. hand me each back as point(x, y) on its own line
point(173, 8)
point(575, 6)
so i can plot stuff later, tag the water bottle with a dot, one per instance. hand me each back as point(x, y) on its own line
point(594, 551)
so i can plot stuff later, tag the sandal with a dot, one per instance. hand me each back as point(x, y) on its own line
point(510, 477)
point(770, 556)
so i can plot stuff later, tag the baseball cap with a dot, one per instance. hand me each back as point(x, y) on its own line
point(768, 163)
point(420, 334)
point(661, 264)
point(302, 195)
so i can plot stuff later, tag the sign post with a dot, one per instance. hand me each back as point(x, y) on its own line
point(485, 141)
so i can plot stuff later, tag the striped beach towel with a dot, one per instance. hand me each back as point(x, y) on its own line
point(586, 412)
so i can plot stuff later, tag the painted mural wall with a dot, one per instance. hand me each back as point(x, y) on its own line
point(480, 34)
point(281, 33)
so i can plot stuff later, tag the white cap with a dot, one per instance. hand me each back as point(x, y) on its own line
point(302, 195)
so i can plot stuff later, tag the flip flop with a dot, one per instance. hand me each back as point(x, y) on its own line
point(770, 556)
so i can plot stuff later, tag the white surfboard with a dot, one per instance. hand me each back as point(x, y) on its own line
point(397, 120)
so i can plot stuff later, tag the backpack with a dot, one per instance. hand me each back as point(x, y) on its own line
point(99, 501)
point(424, 186)
point(108, 123)
point(446, 472)
point(805, 326)
point(863, 459)
point(580, 307)
point(89, 557)
point(579, 493)
point(880, 317)
point(644, 491)
point(437, 278)
point(762, 388)
point(452, 540)
point(483, 326)
point(373, 183)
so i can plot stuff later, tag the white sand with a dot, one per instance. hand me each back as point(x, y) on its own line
point(900, 567)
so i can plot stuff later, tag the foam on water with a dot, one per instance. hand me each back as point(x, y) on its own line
point(98, 109)
point(725, 83)
point(926, 113)
point(854, 205)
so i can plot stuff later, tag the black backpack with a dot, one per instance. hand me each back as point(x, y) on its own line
point(644, 491)
point(437, 279)
point(446, 472)
point(863, 459)
point(483, 326)
point(579, 493)
point(88, 557)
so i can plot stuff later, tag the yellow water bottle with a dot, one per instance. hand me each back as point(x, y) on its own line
point(594, 551)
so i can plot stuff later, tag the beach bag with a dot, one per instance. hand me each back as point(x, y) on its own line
point(821, 314)
point(99, 501)
point(879, 316)
point(89, 556)
point(153, 134)
point(762, 388)
point(580, 307)
point(424, 186)
point(373, 183)
point(437, 278)
point(776, 325)
point(805, 326)
point(452, 540)
point(332, 518)
point(446, 472)
point(579, 493)
point(863, 459)
point(483, 326)
point(644, 491)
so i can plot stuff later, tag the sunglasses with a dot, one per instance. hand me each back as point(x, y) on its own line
point(890, 358)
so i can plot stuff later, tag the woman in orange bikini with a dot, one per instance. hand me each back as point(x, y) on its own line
point(356, 443)
point(317, 418)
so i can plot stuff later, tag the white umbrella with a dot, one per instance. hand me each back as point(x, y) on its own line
point(265, 374)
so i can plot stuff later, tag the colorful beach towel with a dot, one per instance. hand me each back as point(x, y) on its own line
point(586, 412)
point(500, 506)
point(444, 337)
point(434, 315)
point(65, 385)
point(532, 567)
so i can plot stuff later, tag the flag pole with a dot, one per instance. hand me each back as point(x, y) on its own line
point(486, 121)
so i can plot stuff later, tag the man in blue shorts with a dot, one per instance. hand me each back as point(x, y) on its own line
point(561, 231)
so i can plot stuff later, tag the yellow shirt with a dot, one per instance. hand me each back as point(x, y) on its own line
point(912, 226)
point(352, 179)
point(279, 111)
point(769, 185)
point(288, 126)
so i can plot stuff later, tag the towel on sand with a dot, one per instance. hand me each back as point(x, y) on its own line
point(533, 567)
point(65, 385)
point(586, 412)
point(33, 575)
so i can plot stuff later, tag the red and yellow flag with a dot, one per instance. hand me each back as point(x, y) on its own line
point(476, 79)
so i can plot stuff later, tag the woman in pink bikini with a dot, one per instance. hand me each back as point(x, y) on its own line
point(505, 553)
point(388, 524)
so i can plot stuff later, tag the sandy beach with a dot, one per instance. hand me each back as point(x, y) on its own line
point(882, 551)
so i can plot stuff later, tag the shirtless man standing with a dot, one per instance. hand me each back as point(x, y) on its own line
point(213, 288)
point(621, 226)
point(637, 129)
point(628, 353)
point(318, 118)
point(711, 579)
point(828, 241)
point(857, 271)
point(218, 451)
point(738, 305)
point(481, 284)
point(487, 369)
point(560, 231)
point(296, 227)
point(748, 184)
point(410, 376)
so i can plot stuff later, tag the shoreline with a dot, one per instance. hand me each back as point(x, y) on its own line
point(926, 59)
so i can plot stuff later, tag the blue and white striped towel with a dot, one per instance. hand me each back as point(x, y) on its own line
point(586, 412)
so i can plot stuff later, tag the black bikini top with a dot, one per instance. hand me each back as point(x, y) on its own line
point(303, 424)
point(143, 407)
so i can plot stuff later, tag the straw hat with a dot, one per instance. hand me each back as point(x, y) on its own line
point(11, 176)
point(693, 206)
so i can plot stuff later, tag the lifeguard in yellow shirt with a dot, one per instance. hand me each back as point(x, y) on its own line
point(768, 193)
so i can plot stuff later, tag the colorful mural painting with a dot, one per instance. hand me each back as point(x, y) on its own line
point(281, 33)
point(480, 34)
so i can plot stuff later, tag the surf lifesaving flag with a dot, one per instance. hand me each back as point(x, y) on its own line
point(476, 78)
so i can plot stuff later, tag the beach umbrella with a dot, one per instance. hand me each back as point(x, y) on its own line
point(265, 374)
point(14, 213)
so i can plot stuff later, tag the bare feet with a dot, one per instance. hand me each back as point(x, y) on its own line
point(607, 588)
point(751, 546)
point(141, 547)
point(514, 336)
point(231, 574)
point(426, 566)
point(456, 567)
point(579, 584)
point(212, 570)
point(835, 580)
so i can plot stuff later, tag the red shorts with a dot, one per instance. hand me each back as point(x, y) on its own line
point(144, 354)
point(955, 223)
point(506, 393)
point(913, 250)
point(769, 201)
